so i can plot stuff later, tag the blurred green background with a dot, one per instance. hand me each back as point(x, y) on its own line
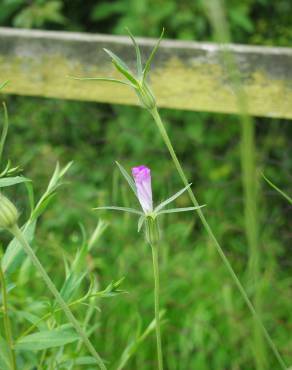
point(207, 324)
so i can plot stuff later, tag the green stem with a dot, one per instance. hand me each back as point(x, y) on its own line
point(249, 180)
point(6, 320)
point(4, 130)
point(42, 359)
point(156, 304)
point(19, 236)
point(250, 194)
point(155, 114)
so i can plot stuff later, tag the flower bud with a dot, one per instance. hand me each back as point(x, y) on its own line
point(142, 177)
point(152, 230)
point(146, 96)
point(8, 213)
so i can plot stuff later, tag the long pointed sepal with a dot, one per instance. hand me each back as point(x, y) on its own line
point(171, 199)
point(176, 210)
point(122, 209)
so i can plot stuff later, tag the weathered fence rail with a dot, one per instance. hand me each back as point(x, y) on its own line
point(186, 75)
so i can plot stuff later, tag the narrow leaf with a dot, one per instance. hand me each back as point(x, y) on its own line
point(286, 196)
point(122, 67)
point(128, 178)
point(4, 130)
point(140, 222)
point(111, 290)
point(118, 60)
point(55, 177)
point(71, 286)
point(9, 181)
point(99, 230)
point(3, 84)
point(171, 199)
point(7, 167)
point(50, 192)
point(105, 79)
point(14, 253)
point(33, 319)
point(186, 209)
point(30, 193)
point(138, 53)
point(149, 61)
point(42, 206)
point(65, 169)
point(84, 360)
point(123, 209)
point(133, 346)
point(46, 339)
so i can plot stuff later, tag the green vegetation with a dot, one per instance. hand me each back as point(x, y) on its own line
point(206, 324)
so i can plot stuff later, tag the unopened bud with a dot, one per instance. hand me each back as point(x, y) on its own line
point(146, 97)
point(152, 230)
point(8, 213)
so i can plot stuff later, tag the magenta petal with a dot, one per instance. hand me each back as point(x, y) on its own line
point(142, 177)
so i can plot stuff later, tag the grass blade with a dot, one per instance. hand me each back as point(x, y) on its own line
point(5, 127)
point(133, 346)
point(286, 196)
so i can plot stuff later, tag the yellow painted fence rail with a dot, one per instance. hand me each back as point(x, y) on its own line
point(185, 75)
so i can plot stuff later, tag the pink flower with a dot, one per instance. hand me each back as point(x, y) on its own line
point(141, 187)
point(142, 177)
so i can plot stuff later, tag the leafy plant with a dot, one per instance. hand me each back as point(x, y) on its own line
point(55, 335)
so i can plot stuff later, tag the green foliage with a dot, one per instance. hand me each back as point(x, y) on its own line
point(4, 355)
point(202, 306)
point(46, 339)
point(212, 161)
point(9, 181)
point(34, 14)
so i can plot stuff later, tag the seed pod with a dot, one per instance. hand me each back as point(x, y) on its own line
point(8, 213)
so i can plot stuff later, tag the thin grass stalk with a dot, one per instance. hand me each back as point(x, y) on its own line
point(29, 251)
point(156, 116)
point(4, 130)
point(6, 321)
point(216, 14)
point(250, 186)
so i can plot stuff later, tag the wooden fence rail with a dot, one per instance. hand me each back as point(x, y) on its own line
point(185, 75)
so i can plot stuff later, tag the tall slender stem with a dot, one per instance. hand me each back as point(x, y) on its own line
point(6, 320)
point(19, 236)
point(250, 186)
point(155, 114)
point(156, 304)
